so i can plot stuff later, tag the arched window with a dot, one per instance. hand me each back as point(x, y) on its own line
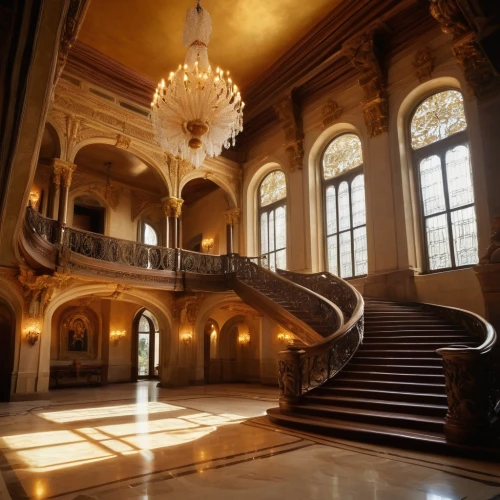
point(344, 207)
point(149, 234)
point(440, 145)
point(148, 352)
point(272, 213)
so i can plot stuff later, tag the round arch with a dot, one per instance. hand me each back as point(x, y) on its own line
point(226, 331)
point(101, 290)
point(13, 302)
point(59, 133)
point(406, 109)
point(148, 160)
point(225, 186)
point(251, 204)
point(316, 186)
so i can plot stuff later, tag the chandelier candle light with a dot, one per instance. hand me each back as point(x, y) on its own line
point(198, 111)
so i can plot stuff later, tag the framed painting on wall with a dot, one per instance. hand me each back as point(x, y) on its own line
point(78, 334)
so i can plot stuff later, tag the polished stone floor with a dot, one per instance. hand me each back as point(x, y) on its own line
point(136, 441)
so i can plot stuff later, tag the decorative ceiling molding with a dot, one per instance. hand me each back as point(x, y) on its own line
point(365, 57)
point(289, 114)
point(72, 24)
point(478, 71)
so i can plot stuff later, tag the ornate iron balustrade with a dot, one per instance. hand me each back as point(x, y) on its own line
point(320, 310)
point(108, 249)
point(472, 378)
point(201, 263)
point(44, 227)
point(308, 368)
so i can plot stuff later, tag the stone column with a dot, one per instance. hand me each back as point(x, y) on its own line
point(54, 192)
point(232, 218)
point(172, 208)
point(65, 171)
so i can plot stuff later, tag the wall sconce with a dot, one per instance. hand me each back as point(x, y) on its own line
point(244, 338)
point(213, 333)
point(286, 338)
point(207, 244)
point(186, 338)
point(117, 335)
point(34, 198)
point(32, 335)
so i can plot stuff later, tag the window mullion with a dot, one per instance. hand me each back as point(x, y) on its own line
point(338, 226)
point(442, 158)
point(349, 185)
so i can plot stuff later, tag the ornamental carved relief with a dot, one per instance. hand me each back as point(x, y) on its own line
point(232, 216)
point(122, 141)
point(290, 117)
point(424, 64)
point(172, 207)
point(478, 72)
point(331, 113)
point(364, 56)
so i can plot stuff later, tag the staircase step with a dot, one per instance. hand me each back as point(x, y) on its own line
point(408, 421)
point(361, 431)
point(397, 353)
point(444, 339)
point(406, 396)
point(367, 358)
point(408, 346)
point(436, 410)
point(350, 372)
point(414, 331)
point(396, 368)
point(344, 381)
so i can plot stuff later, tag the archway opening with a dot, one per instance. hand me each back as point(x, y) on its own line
point(146, 347)
point(7, 333)
point(203, 217)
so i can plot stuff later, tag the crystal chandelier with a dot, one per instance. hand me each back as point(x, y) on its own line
point(198, 111)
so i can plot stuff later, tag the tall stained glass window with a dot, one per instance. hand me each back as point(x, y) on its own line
point(344, 207)
point(272, 213)
point(441, 155)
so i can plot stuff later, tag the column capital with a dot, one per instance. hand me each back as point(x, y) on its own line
point(64, 169)
point(172, 207)
point(232, 216)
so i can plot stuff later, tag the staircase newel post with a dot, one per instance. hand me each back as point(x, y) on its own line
point(467, 389)
point(290, 377)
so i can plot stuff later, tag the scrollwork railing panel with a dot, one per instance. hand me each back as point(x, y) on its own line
point(314, 365)
point(201, 263)
point(43, 226)
point(319, 310)
point(115, 250)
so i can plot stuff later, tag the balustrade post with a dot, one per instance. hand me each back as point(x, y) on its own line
point(289, 377)
point(54, 191)
point(63, 170)
point(172, 208)
point(467, 389)
point(232, 217)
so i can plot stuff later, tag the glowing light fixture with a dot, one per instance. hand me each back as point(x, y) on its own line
point(117, 335)
point(286, 338)
point(32, 335)
point(186, 338)
point(207, 244)
point(197, 111)
point(244, 338)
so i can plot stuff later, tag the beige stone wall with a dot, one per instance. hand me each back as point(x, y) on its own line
point(206, 217)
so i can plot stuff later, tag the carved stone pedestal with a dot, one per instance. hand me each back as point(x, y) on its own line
point(290, 377)
point(468, 391)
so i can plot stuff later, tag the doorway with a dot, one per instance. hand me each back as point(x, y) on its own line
point(6, 351)
point(146, 348)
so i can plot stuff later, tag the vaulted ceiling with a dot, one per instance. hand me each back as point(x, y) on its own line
point(248, 36)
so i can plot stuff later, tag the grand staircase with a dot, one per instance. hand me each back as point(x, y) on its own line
point(393, 386)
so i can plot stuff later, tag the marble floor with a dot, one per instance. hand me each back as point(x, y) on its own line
point(137, 441)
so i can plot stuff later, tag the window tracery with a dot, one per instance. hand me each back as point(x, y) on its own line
point(344, 205)
point(272, 220)
point(442, 158)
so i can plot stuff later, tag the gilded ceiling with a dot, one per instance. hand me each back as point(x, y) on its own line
point(248, 35)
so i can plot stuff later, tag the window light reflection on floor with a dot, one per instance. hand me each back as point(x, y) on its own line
point(108, 412)
point(48, 451)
